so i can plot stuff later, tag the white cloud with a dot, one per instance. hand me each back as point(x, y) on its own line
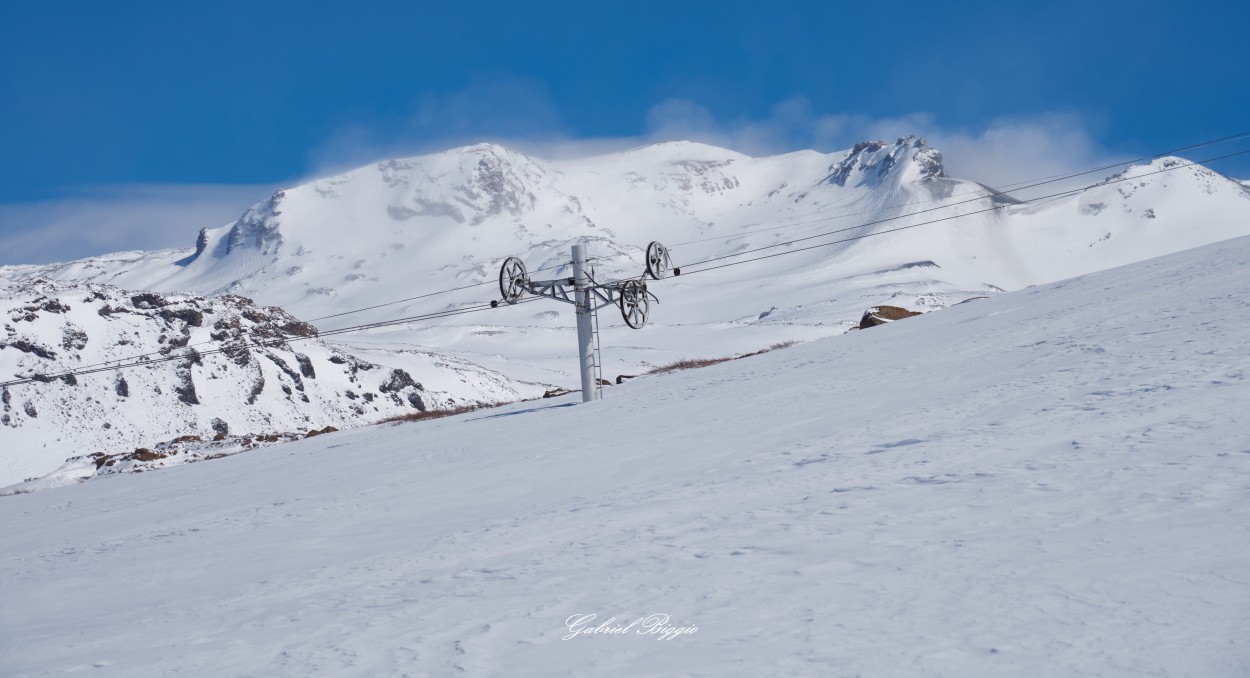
point(1001, 152)
point(512, 111)
point(521, 113)
point(109, 219)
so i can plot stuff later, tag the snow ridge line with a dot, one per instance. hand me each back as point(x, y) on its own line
point(1037, 200)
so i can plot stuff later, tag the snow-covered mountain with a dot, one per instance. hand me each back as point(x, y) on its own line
point(1051, 482)
point(247, 373)
point(407, 227)
point(420, 224)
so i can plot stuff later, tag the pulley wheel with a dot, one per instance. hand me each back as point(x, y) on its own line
point(658, 261)
point(635, 307)
point(512, 280)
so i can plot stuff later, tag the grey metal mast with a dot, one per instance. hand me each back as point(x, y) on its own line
point(587, 297)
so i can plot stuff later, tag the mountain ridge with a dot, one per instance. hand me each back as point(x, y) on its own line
point(392, 234)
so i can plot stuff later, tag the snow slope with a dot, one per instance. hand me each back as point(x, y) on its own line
point(1051, 482)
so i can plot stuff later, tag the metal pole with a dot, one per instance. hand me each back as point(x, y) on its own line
point(585, 338)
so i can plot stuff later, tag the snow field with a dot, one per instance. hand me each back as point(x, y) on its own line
point(1051, 482)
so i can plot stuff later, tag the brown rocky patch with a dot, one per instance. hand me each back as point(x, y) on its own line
point(880, 315)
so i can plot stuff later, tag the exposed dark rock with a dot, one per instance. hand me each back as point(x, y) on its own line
point(238, 354)
point(298, 328)
point(415, 400)
point(258, 386)
point(185, 390)
point(148, 300)
point(27, 346)
point(121, 387)
point(556, 392)
point(29, 408)
point(258, 227)
point(316, 432)
point(620, 378)
point(254, 316)
point(286, 369)
point(53, 306)
point(201, 243)
point(144, 454)
point(399, 380)
point(305, 366)
point(880, 315)
point(190, 316)
point(73, 338)
point(221, 427)
point(225, 329)
point(841, 171)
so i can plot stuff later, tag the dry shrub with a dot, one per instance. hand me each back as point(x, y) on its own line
point(688, 364)
point(691, 364)
point(433, 414)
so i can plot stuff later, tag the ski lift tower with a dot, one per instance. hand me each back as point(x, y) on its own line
point(588, 296)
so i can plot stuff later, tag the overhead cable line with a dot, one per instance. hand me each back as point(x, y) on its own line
point(1053, 196)
point(988, 191)
point(941, 207)
point(420, 296)
point(277, 342)
point(140, 356)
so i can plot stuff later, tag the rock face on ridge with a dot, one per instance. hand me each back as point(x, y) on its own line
point(869, 162)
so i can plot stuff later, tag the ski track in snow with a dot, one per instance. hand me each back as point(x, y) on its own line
point(1051, 482)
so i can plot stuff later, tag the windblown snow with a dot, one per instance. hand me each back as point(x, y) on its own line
point(1050, 482)
point(408, 227)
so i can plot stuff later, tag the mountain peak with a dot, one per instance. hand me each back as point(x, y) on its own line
point(483, 149)
point(684, 150)
point(871, 161)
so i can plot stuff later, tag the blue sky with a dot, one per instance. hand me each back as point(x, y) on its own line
point(132, 124)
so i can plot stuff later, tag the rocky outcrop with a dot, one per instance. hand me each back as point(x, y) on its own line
point(870, 161)
point(880, 315)
point(164, 366)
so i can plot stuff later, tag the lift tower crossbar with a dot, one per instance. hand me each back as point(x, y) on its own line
point(588, 296)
